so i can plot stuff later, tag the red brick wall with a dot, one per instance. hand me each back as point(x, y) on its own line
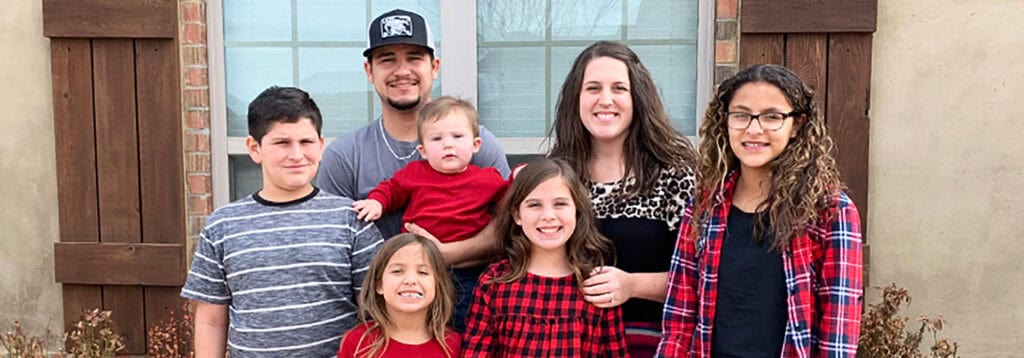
point(726, 39)
point(196, 115)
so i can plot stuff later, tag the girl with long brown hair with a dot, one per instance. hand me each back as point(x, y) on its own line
point(530, 304)
point(768, 261)
point(405, 304)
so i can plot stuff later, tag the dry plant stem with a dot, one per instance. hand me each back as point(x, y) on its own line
point(172, 337)
point(94, 336)
point(20, 345)
point(884, 332)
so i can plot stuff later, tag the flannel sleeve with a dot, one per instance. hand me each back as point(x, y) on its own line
point(679, 318)
point(840, 284)
point(394, 193)
point(478, 341)
point(366, 240)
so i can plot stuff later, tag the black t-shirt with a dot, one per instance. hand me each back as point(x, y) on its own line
point(750, 313)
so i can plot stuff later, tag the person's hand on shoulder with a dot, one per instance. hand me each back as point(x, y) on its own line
point(369, 209)
point(607, 287)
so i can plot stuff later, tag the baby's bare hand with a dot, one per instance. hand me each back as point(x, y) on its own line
point(369, 209)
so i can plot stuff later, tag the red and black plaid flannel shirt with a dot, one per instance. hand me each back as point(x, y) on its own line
point(823, 283)
point(539, 316)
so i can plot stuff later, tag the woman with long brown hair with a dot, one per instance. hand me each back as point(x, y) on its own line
point(614, 131)
point(768, 261)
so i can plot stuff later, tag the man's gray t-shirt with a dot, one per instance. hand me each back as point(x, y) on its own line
point(290, 273)
point(354, 164)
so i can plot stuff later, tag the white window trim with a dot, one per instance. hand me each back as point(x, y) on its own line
point(219, 141)
point(458, 78)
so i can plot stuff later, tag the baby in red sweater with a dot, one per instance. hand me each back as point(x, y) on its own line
point(444, 194)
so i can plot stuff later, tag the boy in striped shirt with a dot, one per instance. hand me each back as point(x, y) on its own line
point(277, 273)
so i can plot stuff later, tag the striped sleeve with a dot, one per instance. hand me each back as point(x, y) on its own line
point(840, 289)
point(680, 314)
point(365, 242)
point(206, 278)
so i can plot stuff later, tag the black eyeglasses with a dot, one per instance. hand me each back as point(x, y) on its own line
point(771, 121)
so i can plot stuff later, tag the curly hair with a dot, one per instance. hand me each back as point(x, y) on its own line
point(802, 179)
point(651, 144)
point(586, 247)
point(373, 308)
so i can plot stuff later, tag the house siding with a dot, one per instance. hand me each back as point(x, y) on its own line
point(946, 169)
point(28, 210)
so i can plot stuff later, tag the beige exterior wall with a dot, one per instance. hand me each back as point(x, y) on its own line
point(28, 211)
point(947, 165)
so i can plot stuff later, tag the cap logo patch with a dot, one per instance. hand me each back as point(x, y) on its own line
point(398, 25)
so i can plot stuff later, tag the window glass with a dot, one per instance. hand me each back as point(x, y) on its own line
point(255, 20)
point(522, 62)
point(525, 48)
point(245, 176)
point(315, 45)
point(248, 71)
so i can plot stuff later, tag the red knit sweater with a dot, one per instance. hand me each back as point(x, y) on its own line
point(452, 207)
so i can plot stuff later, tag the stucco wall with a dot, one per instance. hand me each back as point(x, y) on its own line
point(28, 210)
point(947, 165)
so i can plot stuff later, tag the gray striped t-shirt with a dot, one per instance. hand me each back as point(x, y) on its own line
point(289, 273)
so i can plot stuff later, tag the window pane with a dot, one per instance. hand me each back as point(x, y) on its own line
point(332, 20)
point(522, 63)
point(248, 71)
point(510, 20)
point(587, 20)
point(512, 99)
point(256, 20)
point(651, 19)
point(245, 176)
point(323, 57)
point(334, 77)
point(674, 72)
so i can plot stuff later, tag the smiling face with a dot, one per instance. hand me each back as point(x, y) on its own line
point(606, 105)
point(548, 215)
point(402, 75)
point(448, 143)
point(288, 154)
point(756, 147)
point(408, 282)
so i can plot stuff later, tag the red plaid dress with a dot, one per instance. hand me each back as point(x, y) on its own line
point(823, 283)
point(539, 316)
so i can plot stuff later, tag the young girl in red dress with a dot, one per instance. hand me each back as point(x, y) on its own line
point(405, 304)
point(530, 304)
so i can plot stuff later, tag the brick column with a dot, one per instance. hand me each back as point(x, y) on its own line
point(196, 114)
point(726, 39)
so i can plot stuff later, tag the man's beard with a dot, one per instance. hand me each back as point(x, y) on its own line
point(404, 106)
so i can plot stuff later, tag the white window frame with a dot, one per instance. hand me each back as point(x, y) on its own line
point(458, 77)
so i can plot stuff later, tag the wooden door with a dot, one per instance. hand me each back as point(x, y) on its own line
point(117, 123)
point(828, 44)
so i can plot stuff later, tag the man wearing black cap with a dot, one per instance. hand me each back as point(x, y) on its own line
point(400, 63)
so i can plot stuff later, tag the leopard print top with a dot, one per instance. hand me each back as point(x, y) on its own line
point(671, 192)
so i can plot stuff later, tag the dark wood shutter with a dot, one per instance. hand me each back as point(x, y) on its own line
point(117, 123)
point(828, 44)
